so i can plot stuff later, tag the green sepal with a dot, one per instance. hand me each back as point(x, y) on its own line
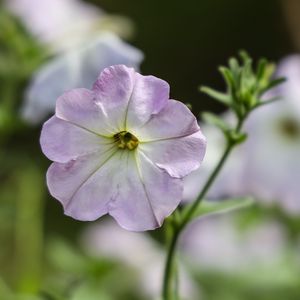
point(261, 67)
point(266, 102)
point(272, 84)
point(221, 97)
point(219, 207)
point(229, 79)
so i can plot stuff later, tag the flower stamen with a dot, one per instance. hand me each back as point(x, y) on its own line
point(126, 140)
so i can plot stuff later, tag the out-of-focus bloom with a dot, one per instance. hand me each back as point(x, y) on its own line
point(139, 252)
point(267, 165)
point(121, 148)
point(75, 68)
point(84, 40)
point(65, 24)
point(222, 245)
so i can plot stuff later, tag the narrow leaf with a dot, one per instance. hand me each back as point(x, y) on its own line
point(228, 77)
point(220, 207)
point(245, 57)
point(265, 102)
point(261, 68)
point(273, 83)
point(221, 97)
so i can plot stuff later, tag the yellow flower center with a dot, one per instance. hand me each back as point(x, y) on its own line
point(290, 128)
point(126, 140)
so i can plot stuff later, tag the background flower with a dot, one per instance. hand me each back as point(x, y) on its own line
point(79, 49)
point(138, 251)
point(259, 245)
point(237, 256)
point(75, 68)
point(65, 24)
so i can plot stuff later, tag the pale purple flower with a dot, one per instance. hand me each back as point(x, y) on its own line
point(139, 252)
point(267, 165)
point(223, 246)
point(64, 24)
point(75, 68)
point(121, 148)
point(84, 40)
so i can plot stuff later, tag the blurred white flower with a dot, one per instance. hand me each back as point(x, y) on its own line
point(267, 165)
point(74, 69)
point(138, 251)
point(84, 39)
point(216, 243)
point(63, 24)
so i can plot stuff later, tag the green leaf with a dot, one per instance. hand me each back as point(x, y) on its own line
point(221, 97)
point(266, 102)
point(235, 68)
point(261, 67)
point(245, 57)
point(215, 120)
point(220, 207)
point(234, 64)
point(273, 83)
point(228, 77)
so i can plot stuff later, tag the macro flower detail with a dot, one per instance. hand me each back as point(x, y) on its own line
point(121, 148)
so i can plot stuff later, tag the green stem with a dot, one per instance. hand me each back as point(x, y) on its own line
point(169, 266)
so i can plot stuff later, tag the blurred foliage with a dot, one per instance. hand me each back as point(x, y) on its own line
point(20, 55)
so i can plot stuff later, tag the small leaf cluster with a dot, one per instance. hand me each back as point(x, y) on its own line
point(245, 87)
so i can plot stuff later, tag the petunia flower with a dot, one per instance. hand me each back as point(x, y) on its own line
point(75, 68)
point(121, 148)
point(64, 24)
point(267, 165)
point(260, 245)
point(79, 49)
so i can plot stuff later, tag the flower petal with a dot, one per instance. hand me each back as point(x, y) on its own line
point(148, 195)
point(68, 183)
point(79, 107)
point(114, 88)
point(62, 141)
point(149, 96)
point(174, 120)
point(139, 199)
point(178, 156)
